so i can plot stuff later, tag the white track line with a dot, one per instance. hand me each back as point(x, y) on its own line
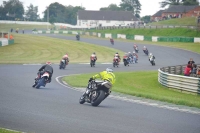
point(122, 98)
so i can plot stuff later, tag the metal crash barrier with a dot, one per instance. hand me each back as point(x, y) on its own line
point(171, 77)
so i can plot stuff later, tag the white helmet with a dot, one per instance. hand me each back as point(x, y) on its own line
point(150, 54)
point(129, 52)
point(144, 46)
point(109, 70)
point(133, 52)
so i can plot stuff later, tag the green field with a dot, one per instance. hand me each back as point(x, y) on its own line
point(39, 49)
point(7, 27)
point(142, 84)
point(187, 21)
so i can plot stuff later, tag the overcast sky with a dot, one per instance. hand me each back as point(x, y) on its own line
point(149, 7)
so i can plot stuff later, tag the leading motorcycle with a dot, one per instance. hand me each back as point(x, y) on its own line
point(41, 80)
point(96, 92)
point(152, 61)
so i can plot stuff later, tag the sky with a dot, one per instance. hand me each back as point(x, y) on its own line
point(149, 7)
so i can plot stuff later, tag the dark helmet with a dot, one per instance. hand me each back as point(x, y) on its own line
point(94, 53)
point(117, 53)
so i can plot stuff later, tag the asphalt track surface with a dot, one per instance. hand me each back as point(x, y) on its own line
point(55, 108)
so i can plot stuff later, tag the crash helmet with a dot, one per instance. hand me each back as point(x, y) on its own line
point(133, 52)
point(150, 54)
point(110, 70)
point(48, 63)
point(116, 52)
point(144, 46)
point(94, 53)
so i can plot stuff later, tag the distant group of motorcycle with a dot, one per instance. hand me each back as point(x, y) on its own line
point(96, 91)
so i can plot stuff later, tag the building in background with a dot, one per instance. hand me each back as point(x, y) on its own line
point(90, 19)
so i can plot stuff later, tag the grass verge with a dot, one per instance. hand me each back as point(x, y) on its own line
point(7, 27)
point(39, 49)
point(184, 32)
point(2, 130)
point(191, 21)
point(141, 86)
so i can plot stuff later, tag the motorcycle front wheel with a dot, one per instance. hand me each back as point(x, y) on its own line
point(97, 97)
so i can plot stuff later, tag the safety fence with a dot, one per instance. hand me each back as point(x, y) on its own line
point(171, 77)
point(127, 36)
point(145, 27)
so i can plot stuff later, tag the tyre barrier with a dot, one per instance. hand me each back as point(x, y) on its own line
point(171, 77)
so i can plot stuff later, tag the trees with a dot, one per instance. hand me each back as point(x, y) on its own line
point(178, 2)
point(131, 5)
point(146, 19)
point(13, 9)
point(125, 5)
point(190, 2)
point(32, 13)
point(62, 14)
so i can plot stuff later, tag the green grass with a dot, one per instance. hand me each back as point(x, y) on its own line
point(141, 86)
point(7, 27)
point(2, 130)
point(39, 49)
point(187, 21)
point(184, 32)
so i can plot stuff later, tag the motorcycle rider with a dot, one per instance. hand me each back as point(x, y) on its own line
point(106, 75)
point(145, 48)
point(135, 56)
point(151, 56)
point(111, 40)
point(93, 57)
point(117, 56)
point(66, 58)
point(77, 36)
point(45, 68)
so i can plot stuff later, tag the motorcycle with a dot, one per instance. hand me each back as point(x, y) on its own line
point(136, 49)
point(135, 59)
point(96, 92)
point(77, 38)
point(41, 80)
point(125, 60)
point(146, 52)
point(92, 63)
point(112, 42)
point(62, 64)
point(152, 61)
point(115, 62)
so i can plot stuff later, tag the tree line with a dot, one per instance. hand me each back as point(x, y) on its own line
point(56, 12)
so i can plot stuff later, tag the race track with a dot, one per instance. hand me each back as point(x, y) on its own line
point(55, 108)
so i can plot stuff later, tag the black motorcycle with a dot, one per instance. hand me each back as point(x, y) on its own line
point(126, 62)
point(77, 37)
point(136, 49)
point(62, 64)
point(96, 92)
point(115, 62)
point(146, 52)
point(92, 63)
point(152, 61)
point(41, 80)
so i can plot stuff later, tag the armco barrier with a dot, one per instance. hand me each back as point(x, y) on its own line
point(171, 78)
